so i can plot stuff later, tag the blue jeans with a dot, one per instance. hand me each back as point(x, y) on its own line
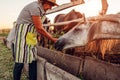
point(18, 70)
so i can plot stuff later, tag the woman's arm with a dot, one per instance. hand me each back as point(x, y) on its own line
point(38, 25)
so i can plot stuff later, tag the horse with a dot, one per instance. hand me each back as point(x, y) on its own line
point(67, 17)
point(93, 33)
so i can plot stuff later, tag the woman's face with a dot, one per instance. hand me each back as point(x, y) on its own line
point(47, 5)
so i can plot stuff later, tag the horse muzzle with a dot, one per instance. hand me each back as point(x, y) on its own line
point(60, 44)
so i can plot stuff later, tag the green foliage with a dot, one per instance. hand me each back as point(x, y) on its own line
point(58, 34)
point(80, 76)
point(4, 34)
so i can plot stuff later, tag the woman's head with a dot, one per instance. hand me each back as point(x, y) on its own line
point(48, 4)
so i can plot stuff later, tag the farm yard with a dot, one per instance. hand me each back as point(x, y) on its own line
point(6, 62)
point(82, 48)
point(76, 65)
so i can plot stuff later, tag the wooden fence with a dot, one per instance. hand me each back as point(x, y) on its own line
point(54, 65)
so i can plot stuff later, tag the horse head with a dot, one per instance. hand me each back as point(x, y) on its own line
point(77, 36)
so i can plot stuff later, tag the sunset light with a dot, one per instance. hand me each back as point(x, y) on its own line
point(10, 10)
point(59, 39)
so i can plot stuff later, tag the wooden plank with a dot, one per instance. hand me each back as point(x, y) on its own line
point(66, 62)
point(66, 22)
point(65, 6)
point(95, 69)
point(55, 73)
point(41, 69)
point(91, 68)
point(110, 17)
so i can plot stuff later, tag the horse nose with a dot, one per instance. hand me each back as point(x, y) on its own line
point(59, 45)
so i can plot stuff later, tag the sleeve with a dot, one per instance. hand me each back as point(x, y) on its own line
point(35, 10)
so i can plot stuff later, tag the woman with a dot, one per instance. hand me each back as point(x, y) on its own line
point(28, 24)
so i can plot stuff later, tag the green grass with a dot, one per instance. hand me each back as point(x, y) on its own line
point(4, 34)
point(7, 63)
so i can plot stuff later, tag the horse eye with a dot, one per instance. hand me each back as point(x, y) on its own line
point(78, 29)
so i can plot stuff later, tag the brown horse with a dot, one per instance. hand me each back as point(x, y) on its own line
point(67, 17)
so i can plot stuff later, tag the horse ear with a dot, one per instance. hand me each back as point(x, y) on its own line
point(84, 18)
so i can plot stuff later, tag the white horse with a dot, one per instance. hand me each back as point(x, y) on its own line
point(106, 27)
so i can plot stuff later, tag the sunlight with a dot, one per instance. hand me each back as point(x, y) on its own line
point(89, 8)
point(9, 12)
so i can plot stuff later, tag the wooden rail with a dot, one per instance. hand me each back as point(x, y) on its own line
point(90, 68)
point(65, 6)
point(66, 22)
point(111, 17)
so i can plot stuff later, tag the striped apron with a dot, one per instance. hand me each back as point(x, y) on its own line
point(25, 43)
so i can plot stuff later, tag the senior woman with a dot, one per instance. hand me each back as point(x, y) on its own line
point(28, 24)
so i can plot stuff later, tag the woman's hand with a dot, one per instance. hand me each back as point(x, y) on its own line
point(54, 40)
